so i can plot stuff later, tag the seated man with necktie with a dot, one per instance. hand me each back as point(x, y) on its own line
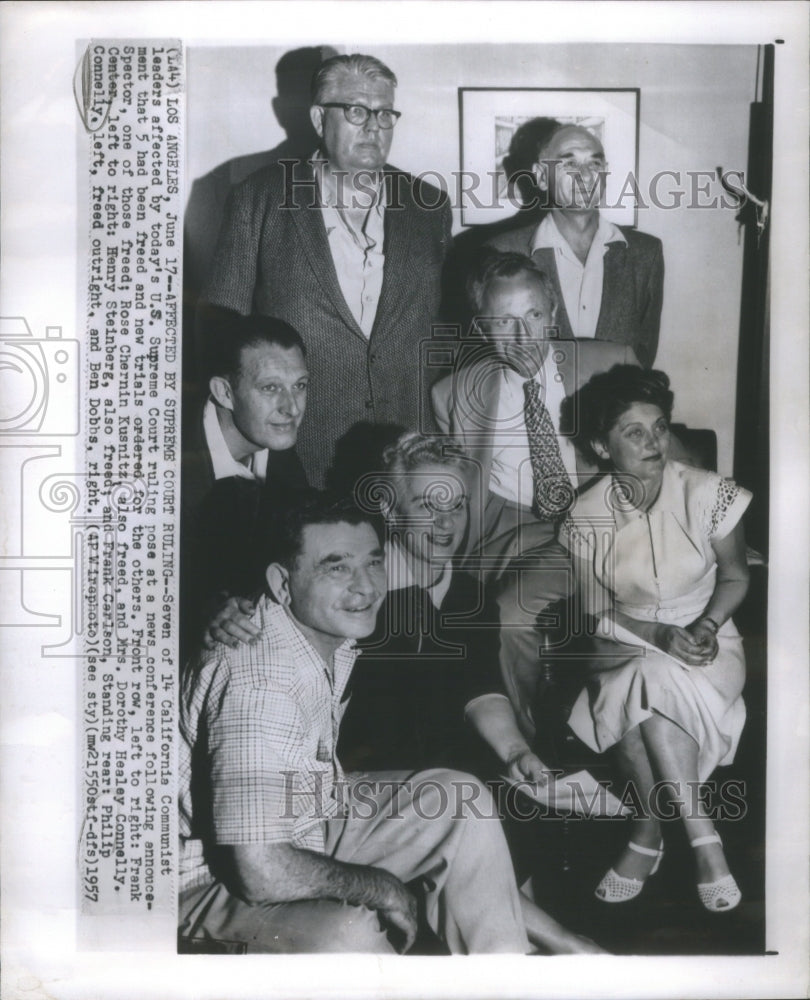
point(502, 401)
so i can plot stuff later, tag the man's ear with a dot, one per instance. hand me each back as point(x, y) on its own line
point(540, 171)
point(278, 580)
point(220, 389)
point(600, 449)
point(388, 502)
point(316, 117)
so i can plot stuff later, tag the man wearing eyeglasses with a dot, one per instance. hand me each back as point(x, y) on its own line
point(609, 280)
point(349, 251)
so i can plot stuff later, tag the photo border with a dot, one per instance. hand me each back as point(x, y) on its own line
point(39, 711)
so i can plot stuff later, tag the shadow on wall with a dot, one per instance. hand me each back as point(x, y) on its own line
point(358, 453)
point(206, 202)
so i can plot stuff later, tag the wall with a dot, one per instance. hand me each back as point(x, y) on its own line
point(694, 116)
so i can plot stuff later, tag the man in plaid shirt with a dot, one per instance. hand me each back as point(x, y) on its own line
point(280, 852)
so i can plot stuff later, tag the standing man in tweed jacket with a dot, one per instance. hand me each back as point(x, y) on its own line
point(609, 281)
point(349, 251)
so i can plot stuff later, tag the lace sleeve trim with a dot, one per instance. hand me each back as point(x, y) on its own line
point(727, 493)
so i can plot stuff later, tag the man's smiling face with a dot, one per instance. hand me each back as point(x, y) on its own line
point(572, 168)
point(337, 583)
point(268, 397)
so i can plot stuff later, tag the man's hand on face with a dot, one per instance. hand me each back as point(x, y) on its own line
point(532, 357)
point(231, 624)
point(523, 314)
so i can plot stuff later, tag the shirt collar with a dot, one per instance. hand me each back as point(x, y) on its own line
point(669, 500)
point(548, 236)
point(670, 496)
point(284, 622)
point(223, 462)
point(335, 191)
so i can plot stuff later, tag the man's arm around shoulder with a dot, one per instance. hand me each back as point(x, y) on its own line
point(282, 873)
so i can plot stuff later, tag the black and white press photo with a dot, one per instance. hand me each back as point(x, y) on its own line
point(403, 413)
point(496, 297)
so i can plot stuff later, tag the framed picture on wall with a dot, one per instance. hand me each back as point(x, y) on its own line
point(489, 118)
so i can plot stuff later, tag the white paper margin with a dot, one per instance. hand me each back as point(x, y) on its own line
point(38, 281)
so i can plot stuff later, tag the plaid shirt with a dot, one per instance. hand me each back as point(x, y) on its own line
point(259, 727)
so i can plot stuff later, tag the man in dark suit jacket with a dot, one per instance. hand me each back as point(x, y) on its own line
point(511, 543)
point(349, 251)
point(608, 279)
point(240, 467)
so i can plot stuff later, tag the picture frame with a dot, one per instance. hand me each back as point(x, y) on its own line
point(489, 117)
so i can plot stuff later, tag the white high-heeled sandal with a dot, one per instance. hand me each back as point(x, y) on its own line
point(615, 888)
point(722, 894)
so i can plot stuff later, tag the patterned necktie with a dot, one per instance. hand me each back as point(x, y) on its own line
point(553, 493)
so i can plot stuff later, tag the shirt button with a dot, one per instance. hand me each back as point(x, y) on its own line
point(369, 404)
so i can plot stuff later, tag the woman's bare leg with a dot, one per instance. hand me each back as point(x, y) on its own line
point(673, 755)
point(630, 756)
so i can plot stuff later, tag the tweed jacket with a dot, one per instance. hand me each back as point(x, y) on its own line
point(273, 258)
point(632, 292)
point(465, 405)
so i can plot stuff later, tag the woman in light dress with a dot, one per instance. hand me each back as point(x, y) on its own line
point(660, 560)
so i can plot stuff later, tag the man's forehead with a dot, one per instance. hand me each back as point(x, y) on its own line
point(349, 87)
point(264, 357)
point(519, 287)
point(572, 139)
point(320, 541)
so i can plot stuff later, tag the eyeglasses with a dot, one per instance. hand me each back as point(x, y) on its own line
point(359, 114)
point(574, 167)
point(517, 326)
